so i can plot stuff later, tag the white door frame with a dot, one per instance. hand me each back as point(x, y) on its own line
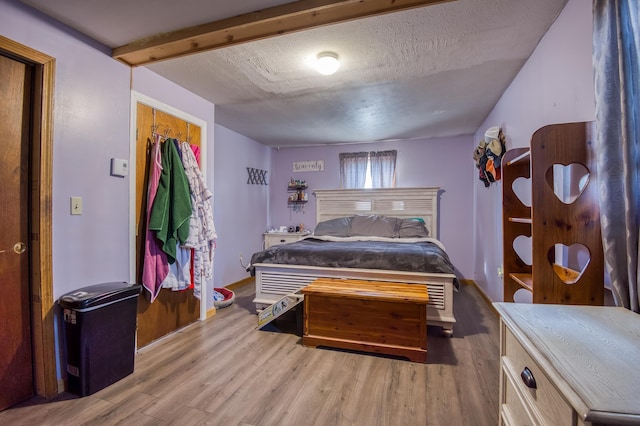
point(136, 98)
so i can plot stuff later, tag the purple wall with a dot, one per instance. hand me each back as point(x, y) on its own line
point(91, 125)
point(240, 209)
point(443, 162)
point(554, 86)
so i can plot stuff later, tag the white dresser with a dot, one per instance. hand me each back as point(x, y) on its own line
point(275, 238)
point(568, 365)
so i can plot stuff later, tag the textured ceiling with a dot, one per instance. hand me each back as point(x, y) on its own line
point(420, 73)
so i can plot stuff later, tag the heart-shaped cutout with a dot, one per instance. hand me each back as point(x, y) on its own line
point(569, 262)
point(522, 188)
point(522, 246)
point(523, 296)
point(567, 181)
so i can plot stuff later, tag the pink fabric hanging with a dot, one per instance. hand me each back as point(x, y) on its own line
point(196, 152)
point(156, 265)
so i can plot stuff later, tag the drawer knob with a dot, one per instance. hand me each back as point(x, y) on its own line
point(528, 379)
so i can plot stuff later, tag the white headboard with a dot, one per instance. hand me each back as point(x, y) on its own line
point(395, 202)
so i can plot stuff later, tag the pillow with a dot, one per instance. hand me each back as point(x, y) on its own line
point(413, 228)
point(339, 227)
point(375, 226)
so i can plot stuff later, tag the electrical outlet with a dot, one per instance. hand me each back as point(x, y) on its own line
point(76, 205)
point(500, 272)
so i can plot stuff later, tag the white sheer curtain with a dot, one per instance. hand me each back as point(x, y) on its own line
point(383, 169)
point(616, 45)
point(353, 169)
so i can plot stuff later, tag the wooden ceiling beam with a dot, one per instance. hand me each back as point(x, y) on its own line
point(287, 18)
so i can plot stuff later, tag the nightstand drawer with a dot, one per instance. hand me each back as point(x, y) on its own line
point(281, 239)
point(275, 238)
point(544, 401)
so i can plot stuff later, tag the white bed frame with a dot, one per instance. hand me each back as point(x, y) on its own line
point(274, 281)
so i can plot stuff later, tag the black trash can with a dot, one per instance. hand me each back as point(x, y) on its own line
point(100, 330)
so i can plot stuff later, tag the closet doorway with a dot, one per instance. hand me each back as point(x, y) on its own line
point(171, 310)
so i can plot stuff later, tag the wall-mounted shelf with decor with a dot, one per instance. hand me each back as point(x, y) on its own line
point(297, 194)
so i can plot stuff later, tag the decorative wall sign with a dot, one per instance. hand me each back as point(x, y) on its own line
point(308, 166)
point(256, 176)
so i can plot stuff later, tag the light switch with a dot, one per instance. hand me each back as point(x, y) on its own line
point(76, 205)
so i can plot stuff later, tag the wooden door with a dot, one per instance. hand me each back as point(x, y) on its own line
point(15, 329)
point(170, 310)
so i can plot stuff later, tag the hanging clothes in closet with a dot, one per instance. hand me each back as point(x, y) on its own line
point(180, 231)
point(202, 232)
point(171, 208)
point(155, 263)
point(178, 207)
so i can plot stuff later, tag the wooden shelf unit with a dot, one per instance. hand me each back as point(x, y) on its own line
point(550, 221)
point(516, 221)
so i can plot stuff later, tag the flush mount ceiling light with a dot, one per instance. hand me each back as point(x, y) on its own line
point(327, 63)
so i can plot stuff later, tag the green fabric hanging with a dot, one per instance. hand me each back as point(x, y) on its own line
point(171, 208)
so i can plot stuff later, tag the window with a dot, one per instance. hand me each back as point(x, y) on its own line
point(368, 169)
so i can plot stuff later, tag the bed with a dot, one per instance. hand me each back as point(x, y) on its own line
point(278, 272)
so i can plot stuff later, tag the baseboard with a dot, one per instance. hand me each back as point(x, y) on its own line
point(211, 312)
point(482, 293)
point(240, 283)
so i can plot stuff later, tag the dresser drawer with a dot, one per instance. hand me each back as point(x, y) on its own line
point(513, 411)
point(544, 401)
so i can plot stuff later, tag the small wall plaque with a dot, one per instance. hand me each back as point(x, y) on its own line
point(308, 166)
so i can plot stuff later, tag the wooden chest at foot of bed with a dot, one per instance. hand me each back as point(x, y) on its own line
point(372, 316)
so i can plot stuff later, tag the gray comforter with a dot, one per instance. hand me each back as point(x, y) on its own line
point(414, 256)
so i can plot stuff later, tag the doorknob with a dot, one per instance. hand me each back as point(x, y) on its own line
point(19, 248)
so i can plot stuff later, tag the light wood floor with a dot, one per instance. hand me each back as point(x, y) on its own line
point(224, 372)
